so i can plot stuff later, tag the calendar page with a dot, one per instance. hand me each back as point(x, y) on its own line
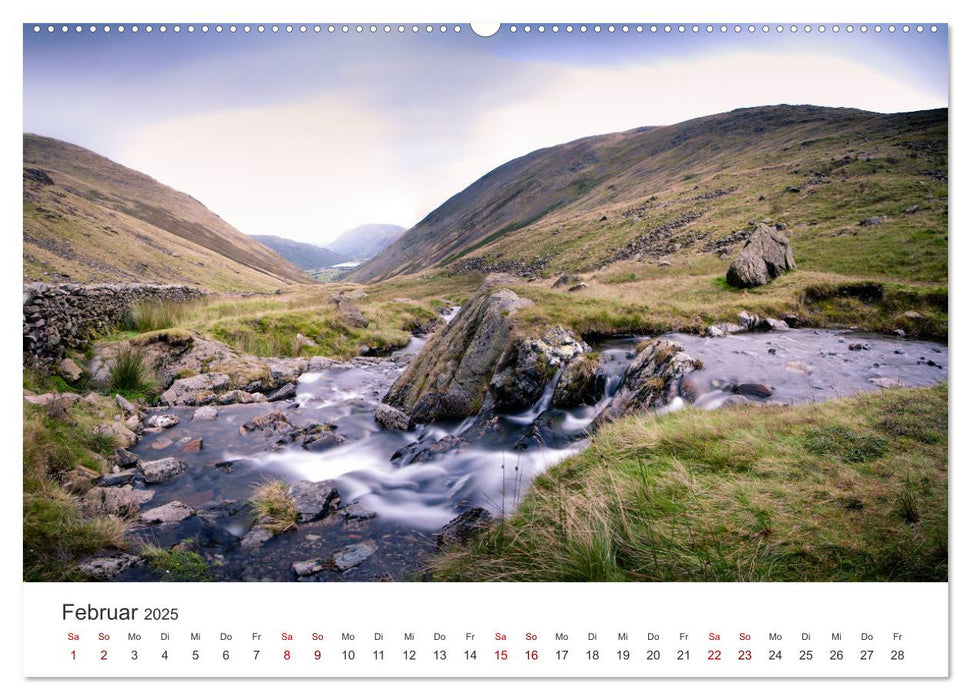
point(426, 349)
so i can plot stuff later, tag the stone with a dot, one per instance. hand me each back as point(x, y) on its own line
point(912, 210)
point(566, 281)
point(105, 568)
point(118, 501)
point(161, 443)
point(350, 314)
point(320, 438)
point(159, 470)
point(752, 389)
point(354, 555)
point(118, 478)
point(308, 567)
point(872, 221)
point(913, 315)
point(162, 420)
point(274, 422)
point(747, 321)
point(449, 378)
point(193, 446)
point(529, 365)
point(68, 370)
point(196, 390)
point(578, 385)
point(766, 255)
point(287, 391)
point(173, 512)
point(578, 287)
point(255, 538)
point(664, 263)
point(206, 413)
point(461, 529)
point(357, 512)
point(900, 333)
point(771, 324)
point(239, 396)
point(313, 499)
point(119, 432)
point(144, 495)
point(391, 418)
point(303, 341)
point(798, 367)
point(886, 382)
point(125, 405)
point(653, 379)
point(720, 330)
point(125, 459)
point(856, 347)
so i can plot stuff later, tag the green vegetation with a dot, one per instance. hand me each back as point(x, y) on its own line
point(177, 564)
point(60, 443)
point(156, 316)
point(273, 507)
point(848, 490)
point(129, 373)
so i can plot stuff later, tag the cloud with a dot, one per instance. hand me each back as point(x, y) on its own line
point(365, 152)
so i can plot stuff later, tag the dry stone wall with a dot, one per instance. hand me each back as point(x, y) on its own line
point(58, 317)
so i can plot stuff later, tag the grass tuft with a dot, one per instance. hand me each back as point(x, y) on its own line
point(274, 508)
point(129, 373)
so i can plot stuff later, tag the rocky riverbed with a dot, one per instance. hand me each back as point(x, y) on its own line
point(376, 499)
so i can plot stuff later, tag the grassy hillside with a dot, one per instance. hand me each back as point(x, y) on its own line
point(88, 219)
point(617, 204)
point(306, 256)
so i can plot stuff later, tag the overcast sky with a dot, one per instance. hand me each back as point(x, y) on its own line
point(307, 135)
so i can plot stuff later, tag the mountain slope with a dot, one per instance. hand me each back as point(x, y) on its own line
point(365, 241)
point(306, 256)
point(88, 219)
point(658, 191)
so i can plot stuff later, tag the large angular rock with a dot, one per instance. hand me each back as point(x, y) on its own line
point(766, 255)
point(68, 369)
point(652, 380)
point(529, 365)
point(450, 376)
point(313, 499)
point(160, 470)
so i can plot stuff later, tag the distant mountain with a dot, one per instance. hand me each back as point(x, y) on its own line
point(88, 219)
point(651, 191)
point(306, 256)
point(365, 241)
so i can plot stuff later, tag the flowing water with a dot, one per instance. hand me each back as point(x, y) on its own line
point(403, 487)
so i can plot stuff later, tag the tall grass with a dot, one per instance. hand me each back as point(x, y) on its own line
point(129, 373)
point(157, 316)
point(735, 495)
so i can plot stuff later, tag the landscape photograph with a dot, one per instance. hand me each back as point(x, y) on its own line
point(566, 302)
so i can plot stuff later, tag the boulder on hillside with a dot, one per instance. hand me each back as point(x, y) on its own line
point(766, 255)
point(450, 376)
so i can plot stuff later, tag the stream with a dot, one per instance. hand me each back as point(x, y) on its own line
point(398, 489)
